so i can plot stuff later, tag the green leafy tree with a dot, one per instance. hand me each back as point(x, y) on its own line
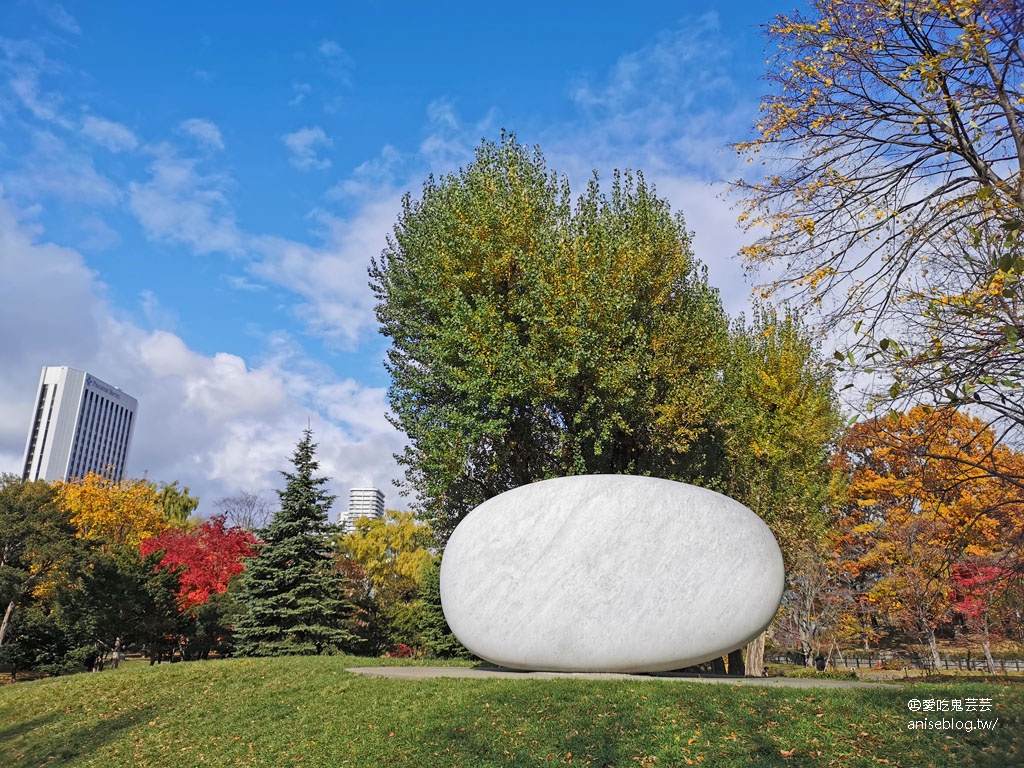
point(176, 504)
point(124, 602)
point(41, 563)
point(48, 636)
point(38, 547)
point(532, 338)
point(103, 602)
point(293, 600)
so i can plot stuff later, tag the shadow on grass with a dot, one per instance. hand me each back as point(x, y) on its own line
point(12, 733)
point(508, 726)
point(578, 723)
point(51, 740)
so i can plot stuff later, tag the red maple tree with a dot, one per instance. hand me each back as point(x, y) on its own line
point(207, 556)
point(977, 592)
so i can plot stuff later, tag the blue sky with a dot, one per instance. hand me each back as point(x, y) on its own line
point(190, 193)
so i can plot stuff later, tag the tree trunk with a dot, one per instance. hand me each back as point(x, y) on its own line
point(806, 645)
point(988, 656)
point(934, 648)
point(6, 621)
point(755, 656)
point(736, 663)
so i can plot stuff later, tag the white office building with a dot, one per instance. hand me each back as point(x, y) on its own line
point(363, 502)
point(81, 425)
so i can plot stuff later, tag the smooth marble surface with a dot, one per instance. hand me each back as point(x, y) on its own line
point(609, 573)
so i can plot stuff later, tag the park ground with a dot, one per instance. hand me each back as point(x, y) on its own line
point(312, 711)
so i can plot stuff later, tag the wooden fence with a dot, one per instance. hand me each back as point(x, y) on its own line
point(898, 661)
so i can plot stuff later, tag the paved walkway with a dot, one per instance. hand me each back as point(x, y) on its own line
point(429, 673)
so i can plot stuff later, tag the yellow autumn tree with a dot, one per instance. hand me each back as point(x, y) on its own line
point(393, 554)
point(393, 550)
point(888, 192)
point(122, 514)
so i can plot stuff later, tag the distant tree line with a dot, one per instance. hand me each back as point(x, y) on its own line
point(93, 569)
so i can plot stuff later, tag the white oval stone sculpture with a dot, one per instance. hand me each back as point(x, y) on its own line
point(609, 573)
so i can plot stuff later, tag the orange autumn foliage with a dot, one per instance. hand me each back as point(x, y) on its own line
point(926, 491)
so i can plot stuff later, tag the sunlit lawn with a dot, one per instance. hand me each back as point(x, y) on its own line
point(310, 711)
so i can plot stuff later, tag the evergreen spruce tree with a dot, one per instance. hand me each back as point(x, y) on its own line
point(435, 634)
point(293, 598)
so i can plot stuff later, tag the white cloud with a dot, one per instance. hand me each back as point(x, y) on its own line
point(36, 280)
point(332, 278)
point(205, 133)
point(23, 66)
point(671, 106)
point(371, 178)
point(62, 19)
point(302, 148)
point(329, 49)
point(218, 387)
point(348, 402)
point(335, 61)
point(669, 109)
point(97, 234)
point(301, 91)
point(216, 423)
point(241, 283)
point(155, 313)
point(107, 133)
point(685, 61)
point(441, 114)
point(450, 142)
point(717, 238)
point(181, 204)
point(54, 170)
point(43, 106)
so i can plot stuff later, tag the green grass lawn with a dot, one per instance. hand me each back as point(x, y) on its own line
point(310, 711)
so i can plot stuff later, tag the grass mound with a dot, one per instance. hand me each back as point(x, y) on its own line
point(310, 711)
